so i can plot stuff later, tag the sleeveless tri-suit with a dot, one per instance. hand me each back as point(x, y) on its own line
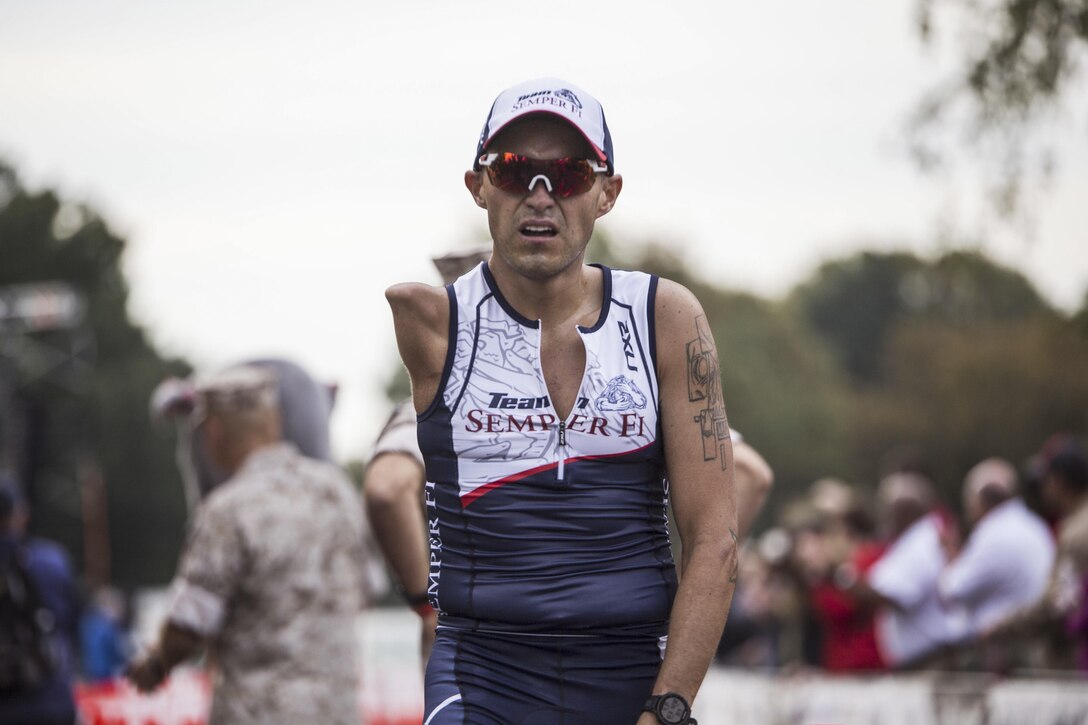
point(550, 560)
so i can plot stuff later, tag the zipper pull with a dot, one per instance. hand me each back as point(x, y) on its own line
point(562, 448)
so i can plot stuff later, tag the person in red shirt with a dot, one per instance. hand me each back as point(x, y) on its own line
point(838, 550)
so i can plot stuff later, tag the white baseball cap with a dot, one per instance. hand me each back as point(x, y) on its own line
point(555, 97)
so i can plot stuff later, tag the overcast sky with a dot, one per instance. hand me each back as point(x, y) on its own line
point(274, 166)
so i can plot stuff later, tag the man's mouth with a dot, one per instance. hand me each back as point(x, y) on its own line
point(538, 231)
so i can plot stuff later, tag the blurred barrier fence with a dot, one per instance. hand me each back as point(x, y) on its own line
point(732, 696)
point(391, 693)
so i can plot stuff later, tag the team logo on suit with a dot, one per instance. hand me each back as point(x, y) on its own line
point(621, 393)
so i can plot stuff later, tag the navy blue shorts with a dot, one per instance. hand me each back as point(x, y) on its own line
point(477, 678)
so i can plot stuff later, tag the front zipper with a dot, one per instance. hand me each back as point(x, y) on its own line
point(562, 447)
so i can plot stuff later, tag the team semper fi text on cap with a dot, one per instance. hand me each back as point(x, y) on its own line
point(557, 98)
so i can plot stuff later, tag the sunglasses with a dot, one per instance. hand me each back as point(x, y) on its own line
point(563, 178)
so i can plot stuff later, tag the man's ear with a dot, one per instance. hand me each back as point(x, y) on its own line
point(474, 182)
point(613, 185)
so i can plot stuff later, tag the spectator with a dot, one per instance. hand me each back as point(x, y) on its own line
point(271, 577)
point(912, 623)
point(1064, 492)
point(750, 639)
point(1003, 566)
point(846, 620)
point(754, 477)
point(103, 641)
point(40, 608)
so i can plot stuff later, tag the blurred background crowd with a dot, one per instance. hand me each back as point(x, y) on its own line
point(865, 579)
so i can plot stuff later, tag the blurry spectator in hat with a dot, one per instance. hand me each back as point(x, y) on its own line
point(38, 611)
point(305, 407)
point(271, 576)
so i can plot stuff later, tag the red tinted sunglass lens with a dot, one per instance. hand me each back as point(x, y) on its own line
point(510, 172)
point(570, 176)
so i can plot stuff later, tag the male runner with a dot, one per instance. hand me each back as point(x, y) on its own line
point(560, 406)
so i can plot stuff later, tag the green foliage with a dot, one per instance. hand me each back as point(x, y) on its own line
point(851, 303)
point(90, 412)
point(1018, 59)
point(958, 394)
point(855, 303)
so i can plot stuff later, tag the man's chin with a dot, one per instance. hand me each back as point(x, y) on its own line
point(541, 267)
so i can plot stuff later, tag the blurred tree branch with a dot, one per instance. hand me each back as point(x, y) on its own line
point(1018, 62)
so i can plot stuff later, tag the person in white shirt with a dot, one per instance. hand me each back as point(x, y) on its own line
point(1004, 564)
point(911, 623)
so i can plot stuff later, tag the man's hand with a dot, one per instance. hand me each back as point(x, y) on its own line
point(148, 673)
point(176, 644)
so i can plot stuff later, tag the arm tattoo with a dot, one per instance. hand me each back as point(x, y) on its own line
point(705, 387)
point(736, 556)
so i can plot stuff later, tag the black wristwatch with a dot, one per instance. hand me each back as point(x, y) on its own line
point(670, 709)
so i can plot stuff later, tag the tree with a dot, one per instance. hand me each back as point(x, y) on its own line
point(961, 393)
point(855, 303)
point(955, 359)
point(66, 431)
point(1021, 59)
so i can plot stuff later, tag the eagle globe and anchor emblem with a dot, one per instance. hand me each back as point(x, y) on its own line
point(568, 95)
point(620, 394)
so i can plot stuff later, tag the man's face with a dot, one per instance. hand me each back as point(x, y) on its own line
point(536, 234)
point(1050, 490)
point(210, 435)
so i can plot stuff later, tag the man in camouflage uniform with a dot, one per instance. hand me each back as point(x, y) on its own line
point(271, 577)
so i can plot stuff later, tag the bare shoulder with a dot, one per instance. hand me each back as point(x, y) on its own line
point(421, 318)
point(674, 299)
point(421, 302)
point(679, 318)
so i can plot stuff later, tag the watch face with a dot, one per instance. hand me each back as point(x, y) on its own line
point(673, 709)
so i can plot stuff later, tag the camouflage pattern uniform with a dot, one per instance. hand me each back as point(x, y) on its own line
point(271, 576)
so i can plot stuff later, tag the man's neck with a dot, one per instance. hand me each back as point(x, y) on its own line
point(568, 295)
point(245, 452)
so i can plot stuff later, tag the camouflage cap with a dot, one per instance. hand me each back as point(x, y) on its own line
point(238, 389)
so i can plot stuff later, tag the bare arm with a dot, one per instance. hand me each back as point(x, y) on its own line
point(700, 467)
point(393, 488)
point(753, 478)
point(421, 315)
